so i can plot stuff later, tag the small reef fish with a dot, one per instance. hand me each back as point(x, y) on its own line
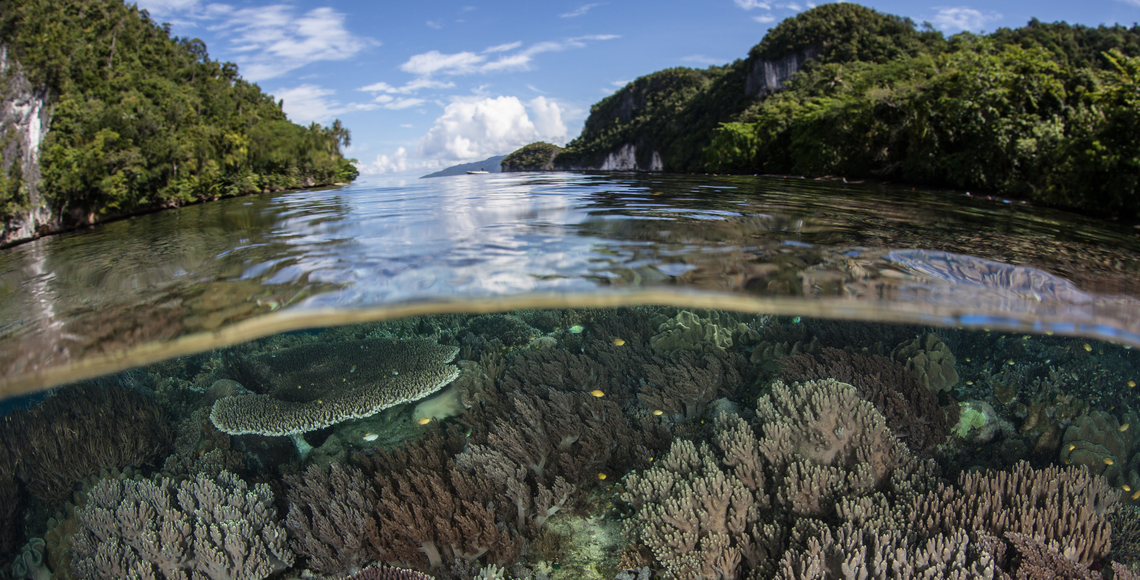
point(1123, 427)
point(1088, 347)
point(576, 329)
point(618, 342)
point(658, 412)
point(370, 436)
point(424, 421)
point(1136, 495)
point(1131, 384)
point(1126, 488)
point(1072, 447)
point(597, 393)
point(1108, 461)
point(601, 476)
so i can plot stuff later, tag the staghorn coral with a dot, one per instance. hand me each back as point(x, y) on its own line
point(388, 573)
point(65, 438)
point(200, 528)
point(703, 514)
point(829, 492)
point(683, 386)
point(331, 519)
point(1069, 506)
point(825, 439)
point(374, 374)
point(910, 409)
point(930, 359)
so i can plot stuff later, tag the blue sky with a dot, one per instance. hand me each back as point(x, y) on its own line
point(427, 84)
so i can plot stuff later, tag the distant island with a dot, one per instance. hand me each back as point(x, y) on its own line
point(95, 125)
point(490, 165)
point(1045, 112)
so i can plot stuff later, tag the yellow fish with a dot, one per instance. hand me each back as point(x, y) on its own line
point(658, 412)
point(618, 342)
point(1087, 347)
point(1123, 428)
point(1136, 495)
point(1108, 461)
point(597, 393)
point(370, 436)
point(424, 421)
point(1072, 447)
point(601, 476)
point(1126, 488)
point(1131, 384)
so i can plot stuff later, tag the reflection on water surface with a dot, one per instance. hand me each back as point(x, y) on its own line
point(90, 301)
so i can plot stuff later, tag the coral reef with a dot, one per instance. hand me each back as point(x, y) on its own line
point(207, 528)
point(930, 359)
point(683, 386)
point(30, 561)
point(828, 491)
point(1105, 445)
point(687, 331)
point(66, 437)
point(910, 409)
point(388, 573)
point(373, 375)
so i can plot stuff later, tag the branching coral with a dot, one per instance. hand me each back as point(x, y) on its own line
point(202, 528)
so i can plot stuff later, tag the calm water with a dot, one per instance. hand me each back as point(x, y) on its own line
point(475, 374)
point(792, 246)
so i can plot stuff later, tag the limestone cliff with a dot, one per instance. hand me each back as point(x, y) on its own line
point(25, 116)
point(768, 76)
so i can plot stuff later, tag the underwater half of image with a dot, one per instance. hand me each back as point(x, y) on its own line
point(624, 443)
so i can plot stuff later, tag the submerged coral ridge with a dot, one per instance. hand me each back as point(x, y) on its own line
point(591, 444)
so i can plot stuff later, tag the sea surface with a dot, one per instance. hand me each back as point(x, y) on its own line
point(476, 376)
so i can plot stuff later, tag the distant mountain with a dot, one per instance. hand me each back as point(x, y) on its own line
point(490, 165)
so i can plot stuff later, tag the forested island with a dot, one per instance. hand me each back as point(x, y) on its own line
point(106, 114)
point(1045, 112)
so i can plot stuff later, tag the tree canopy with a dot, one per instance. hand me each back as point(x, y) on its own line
point(142, 120)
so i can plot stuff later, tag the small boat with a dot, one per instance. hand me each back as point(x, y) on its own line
point(480, 172)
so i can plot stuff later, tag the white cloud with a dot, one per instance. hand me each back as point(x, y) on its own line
point(306, 103)
point(164, 7)
point(431, 62)
point(765, 19)
point(410, 87)
point(548, 119)
point(962, 18)
point(434, 24)
point(268, 41)
point(702, 59)
point(750, 4)
point(475, 129)
point(385, 164)
point(504, 47)
point(435, 62)
point(578, 11)
point(536, 89)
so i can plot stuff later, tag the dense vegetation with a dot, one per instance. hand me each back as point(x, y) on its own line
point(1048, 112)
point(143, 120)
point(532, 157)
